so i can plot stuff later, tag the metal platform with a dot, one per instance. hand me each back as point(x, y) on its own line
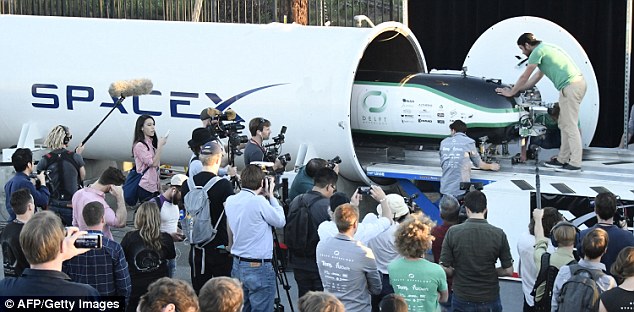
point(599, 164)
point(511, 191)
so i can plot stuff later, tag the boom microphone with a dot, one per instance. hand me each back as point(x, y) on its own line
point(127, 88)
point(231, 114)
point(123, 89)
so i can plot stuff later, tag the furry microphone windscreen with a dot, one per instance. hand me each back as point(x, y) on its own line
point(126, 88)
point(231, 114)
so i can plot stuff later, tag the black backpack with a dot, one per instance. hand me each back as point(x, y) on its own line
point(546, 276)
point(581, 292)
point(57, 187)
point(300, 233)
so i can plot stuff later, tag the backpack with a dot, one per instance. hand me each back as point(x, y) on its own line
point(197, 222)
point(300, 233)
point(546, 276)
point(131, 186)
point(580, 292)
point(57, 186)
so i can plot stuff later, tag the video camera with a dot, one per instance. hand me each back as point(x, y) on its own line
point(266, 166)
point(273, 149)
point(222, 130)
point(234, 131)
point(333, 162)
point(34, 175)
point(411, 204)
point(231, 130)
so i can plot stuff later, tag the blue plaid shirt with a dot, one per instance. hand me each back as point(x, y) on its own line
point(104, 269)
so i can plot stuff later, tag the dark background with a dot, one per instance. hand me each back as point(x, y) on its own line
point(447, 29)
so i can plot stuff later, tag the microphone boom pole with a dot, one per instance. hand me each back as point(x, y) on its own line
point(123, 89)
point(102, 120)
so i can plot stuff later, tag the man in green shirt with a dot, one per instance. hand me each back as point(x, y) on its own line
point(469, 255)
point(556, 64)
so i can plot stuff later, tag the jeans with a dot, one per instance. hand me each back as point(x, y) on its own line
point(386, 290)
point(258, 284)
point(64, 213)
point(459, 305)
point(446, 306)
point(171, 264)
point(552, 139)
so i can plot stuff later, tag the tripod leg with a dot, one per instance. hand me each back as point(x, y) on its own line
point(280, 272)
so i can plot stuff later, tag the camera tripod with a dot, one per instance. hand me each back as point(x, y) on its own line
point(233, 152)
point(279, 265)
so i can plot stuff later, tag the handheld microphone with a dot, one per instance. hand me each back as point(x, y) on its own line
point(126, 88)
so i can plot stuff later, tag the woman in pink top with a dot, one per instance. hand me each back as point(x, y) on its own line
point(146, 150)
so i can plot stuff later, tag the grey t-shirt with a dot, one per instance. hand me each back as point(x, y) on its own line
point(457, 153)
point(252, 152)
point(348, 270)
point(70, 173)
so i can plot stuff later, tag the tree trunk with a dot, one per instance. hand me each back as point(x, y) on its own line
point(300, 11)
point(197, 9)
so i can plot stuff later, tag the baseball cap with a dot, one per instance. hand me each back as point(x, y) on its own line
point(211, 148)
point(397, 203)
point(178, 179)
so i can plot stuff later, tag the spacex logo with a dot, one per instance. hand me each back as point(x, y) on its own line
point(46, 96)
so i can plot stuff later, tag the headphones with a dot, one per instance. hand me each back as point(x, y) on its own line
point(261, 122)
point(558, 225)
point(67, 135)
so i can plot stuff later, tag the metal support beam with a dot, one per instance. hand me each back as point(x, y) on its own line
point(428, 207)
point(628, 54)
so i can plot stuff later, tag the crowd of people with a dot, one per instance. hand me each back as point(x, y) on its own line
point(395, 260)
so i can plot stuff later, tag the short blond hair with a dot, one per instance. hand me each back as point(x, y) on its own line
point(345, 216)
point(221, 294)
point(319, 301)
point(413, 236)
point(167, 290)
point(41, 238)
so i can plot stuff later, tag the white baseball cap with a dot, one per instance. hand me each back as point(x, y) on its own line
point(178, 179)
point(397, 203)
